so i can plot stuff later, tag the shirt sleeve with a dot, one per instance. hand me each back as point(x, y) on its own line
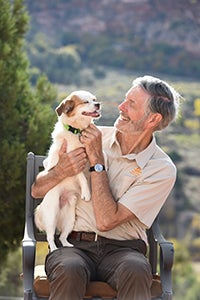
point(146, 197)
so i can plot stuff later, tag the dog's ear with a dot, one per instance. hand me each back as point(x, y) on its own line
point(60, 108)
point(65, 107)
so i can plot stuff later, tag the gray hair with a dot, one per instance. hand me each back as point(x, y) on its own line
point(163, 98)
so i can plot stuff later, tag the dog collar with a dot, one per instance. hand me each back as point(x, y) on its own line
point(72, 129)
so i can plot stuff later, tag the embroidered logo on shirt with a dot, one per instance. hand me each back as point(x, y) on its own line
point(136, 172)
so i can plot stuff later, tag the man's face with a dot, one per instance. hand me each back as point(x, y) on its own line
point(133, 115)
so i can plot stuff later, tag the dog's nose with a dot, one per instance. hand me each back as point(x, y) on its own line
point(97, 105)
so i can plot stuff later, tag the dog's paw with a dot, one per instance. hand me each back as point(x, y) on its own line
point(52, 247)
point(67, 244)
point(86, 196)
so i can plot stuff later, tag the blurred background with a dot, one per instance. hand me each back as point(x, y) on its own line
point(50, 48)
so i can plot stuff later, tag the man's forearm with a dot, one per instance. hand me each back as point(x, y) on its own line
point(108, 212)
point(103, 203)
point(44, 182)
point(69, 164)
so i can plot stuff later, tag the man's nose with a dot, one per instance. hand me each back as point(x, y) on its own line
point(123, 106)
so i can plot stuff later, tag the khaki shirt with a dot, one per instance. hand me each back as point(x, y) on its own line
point(141, 182)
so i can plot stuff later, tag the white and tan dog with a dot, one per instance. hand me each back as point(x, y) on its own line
point(75, 113)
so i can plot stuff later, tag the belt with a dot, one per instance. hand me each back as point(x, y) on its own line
point(136, 244)
point(84, 236)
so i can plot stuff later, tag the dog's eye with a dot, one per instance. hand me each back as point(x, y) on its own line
point(86, 101)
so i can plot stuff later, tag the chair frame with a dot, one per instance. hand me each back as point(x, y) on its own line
point(161, 251)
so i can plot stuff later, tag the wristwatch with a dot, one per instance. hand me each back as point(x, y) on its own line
point(97, 168)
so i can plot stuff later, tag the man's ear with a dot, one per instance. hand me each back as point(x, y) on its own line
point(154, 120)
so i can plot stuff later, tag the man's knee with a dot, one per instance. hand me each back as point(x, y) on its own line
point(65, 274)
point(134, 278)
point(70, 267)
point(135, 267)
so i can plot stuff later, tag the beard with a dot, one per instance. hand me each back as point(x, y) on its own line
point(130, 125)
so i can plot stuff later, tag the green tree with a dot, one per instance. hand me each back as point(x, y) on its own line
point(10, 281)
point(26, 119)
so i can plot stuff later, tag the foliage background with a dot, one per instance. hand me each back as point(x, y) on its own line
point(42, 64)
point(23, 112)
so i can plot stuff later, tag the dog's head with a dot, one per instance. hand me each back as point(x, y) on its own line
point(79, 109)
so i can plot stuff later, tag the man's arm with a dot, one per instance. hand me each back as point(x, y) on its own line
point(108, 213)
point(69, 164)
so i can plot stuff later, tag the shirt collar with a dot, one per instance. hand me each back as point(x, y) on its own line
point(142, 157)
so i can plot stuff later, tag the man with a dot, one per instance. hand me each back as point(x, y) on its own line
point(109, 234)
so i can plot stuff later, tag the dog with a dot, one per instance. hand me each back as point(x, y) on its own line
point(75, 113)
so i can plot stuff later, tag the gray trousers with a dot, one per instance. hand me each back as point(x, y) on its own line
point(117, 262)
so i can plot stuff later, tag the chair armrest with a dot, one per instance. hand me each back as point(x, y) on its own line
point(166, 250)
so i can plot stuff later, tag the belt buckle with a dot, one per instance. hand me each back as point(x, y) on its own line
point(96, 237)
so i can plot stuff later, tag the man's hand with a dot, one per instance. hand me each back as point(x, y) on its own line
point(72, 163)
point(91, 137)
point(69, 164)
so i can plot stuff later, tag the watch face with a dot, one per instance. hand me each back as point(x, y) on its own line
point(98, 168)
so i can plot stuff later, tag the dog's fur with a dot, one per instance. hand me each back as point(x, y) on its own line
point(57, 209)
